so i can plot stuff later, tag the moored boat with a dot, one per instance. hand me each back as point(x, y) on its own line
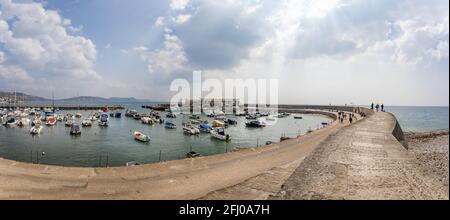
point(190, 130)
point(141, 137)
point(86, 123)
point(170, 125)
point(51, 121)
point(104, 120)
point(36, 129)
point(255, 124)
point(205, 128)
point(75, 129)
point(218, 124)
point(220, 134)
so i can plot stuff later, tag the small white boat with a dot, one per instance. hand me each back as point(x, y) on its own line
point(270, 118)
point(36, 129)
point(147, 120)
point(60, 117)
point(190, 130)
point(78, 115)
point(141, 137)
point(69, 123)
point(220, 134)
point(86, 123)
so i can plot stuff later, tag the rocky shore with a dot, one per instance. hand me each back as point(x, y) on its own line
point(431, 151)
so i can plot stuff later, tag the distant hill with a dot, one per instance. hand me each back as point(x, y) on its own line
point(100, 99)
point(25, 97)
point(21, 96)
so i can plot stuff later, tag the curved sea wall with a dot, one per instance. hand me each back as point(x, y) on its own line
point(398, 133)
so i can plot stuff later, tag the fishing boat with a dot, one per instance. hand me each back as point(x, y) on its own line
point(231, 121)
point(36, 121)
point(171, 115)
point(10, 122)
point(137, 116)
point(190, 130)
point(86, 123)
point(170, 125)
point(298, 117)
point(75, 129)
point(218, 124)
point(23, 122)
point(219, 133)
point(194, 117)
point(130, 113)
point(60, 117)
point(141, 137)
point(104, 119)
point(132, 163)
point(51, 121)
point(210, 114)
point(36, 129)
point(69, 123)
point(147, 120)
point(255, 124)
point(270, 118)
point(193, 154)
point(78, 115)
point(251, 117)
point(205, 128)
point(118, 115)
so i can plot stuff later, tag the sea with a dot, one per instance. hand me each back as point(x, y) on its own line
point(421, 119)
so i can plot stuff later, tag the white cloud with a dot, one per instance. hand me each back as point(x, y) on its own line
point(166, 60)
point(183, 18)
point(159, 22)
point(36, 41)
point(178, 4)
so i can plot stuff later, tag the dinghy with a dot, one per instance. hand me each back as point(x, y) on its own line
point(86, 123)
point(51, 121)
point(141, 137)
point(75, 129)
point(36, 130)
point(104, 119)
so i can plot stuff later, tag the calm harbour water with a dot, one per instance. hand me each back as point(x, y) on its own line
point(115, 145)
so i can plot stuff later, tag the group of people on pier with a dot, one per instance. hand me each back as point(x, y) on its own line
point(342, 116)
point(377, 107)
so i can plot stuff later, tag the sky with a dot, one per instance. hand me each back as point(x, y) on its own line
point(394, 52)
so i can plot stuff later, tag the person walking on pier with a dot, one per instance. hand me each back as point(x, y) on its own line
point(382, 107)
point(350, 119)
point(371, 107)
point(377, 107)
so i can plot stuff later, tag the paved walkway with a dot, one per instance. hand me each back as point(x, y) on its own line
point(362, 161)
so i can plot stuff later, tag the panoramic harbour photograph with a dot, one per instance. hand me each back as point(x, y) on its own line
point(202, 100)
